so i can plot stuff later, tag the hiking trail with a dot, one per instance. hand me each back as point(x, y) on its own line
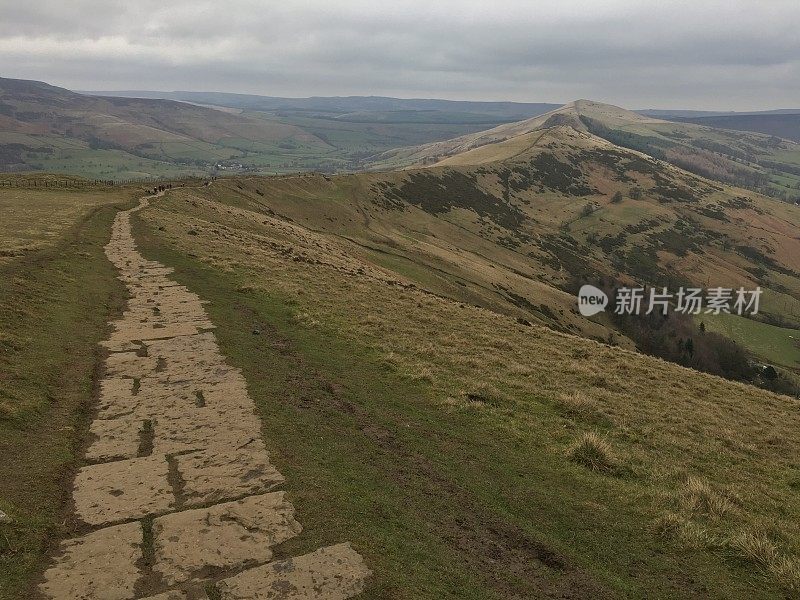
point(178, 495)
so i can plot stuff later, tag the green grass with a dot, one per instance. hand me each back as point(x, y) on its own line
point(346, 142)
point(777, 345)
point(107, 164)
point(442, 504)
point(54, 308)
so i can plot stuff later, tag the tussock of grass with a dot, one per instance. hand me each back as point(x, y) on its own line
point(421, 373)
point(690, 534)
point(670, 525)
point(593, 452)
point(580, 406)
point(757, 548)
point(699, 497)
point(305, 319)
point(754, 547)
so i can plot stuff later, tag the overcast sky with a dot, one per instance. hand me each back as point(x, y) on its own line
point(720, 55)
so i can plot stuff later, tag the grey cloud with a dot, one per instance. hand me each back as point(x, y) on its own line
point(711, 54)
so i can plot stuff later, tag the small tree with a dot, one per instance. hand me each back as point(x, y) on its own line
point(616, 198)
point(636, 193)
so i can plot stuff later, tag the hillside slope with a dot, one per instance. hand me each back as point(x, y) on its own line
point(411, 391)
point(43, 127)
point(153, 134)
point(761, 162)
point(558, 184)
point(569, 114)
point(518, 226)
point(411, 342)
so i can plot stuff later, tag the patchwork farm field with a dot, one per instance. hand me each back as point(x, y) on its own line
point(773, 344)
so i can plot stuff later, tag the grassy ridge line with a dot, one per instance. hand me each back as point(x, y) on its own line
point(442, 503)
point(55, 305)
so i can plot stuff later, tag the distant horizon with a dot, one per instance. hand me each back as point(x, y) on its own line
point(711, 56)
point(410, 98)
point(129, 90)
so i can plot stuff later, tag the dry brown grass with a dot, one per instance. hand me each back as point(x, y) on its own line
point(699, 497)
point(757, 548)
point(578, 405)
point(687, 532)
point(593, 452)
point(33, 219)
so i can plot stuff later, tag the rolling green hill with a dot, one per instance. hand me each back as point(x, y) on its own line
point(51, 129)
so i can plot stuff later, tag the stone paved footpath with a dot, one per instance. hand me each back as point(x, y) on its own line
point(178, 493)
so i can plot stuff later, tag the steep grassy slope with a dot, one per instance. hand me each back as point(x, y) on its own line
point(443, 438)
point(517, 226)
point(568, 115)
point(621, 214)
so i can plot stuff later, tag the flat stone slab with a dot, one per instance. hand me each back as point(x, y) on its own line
point(206, 428)
point(331, 573)
point(125, 336)
point(114, 439)
point(123, 490)
point(97, 566)
point(203, 542)
point(175, 595)
point(130, 364)
point(116, 397)
point(211, 476)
